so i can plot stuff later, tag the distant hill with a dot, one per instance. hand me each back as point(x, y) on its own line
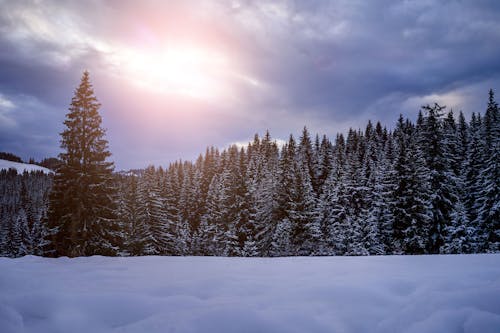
point(21, 167)
point(10, 157)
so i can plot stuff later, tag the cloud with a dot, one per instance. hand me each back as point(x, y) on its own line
point(46, 33)
point(29, 127)
point(286, 64)
point(6, 120)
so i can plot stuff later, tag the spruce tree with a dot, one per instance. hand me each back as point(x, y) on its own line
point(488, 199)
point(331, 206)
point(412, 212)
point(81, 203)
point(442, 184)
point(138, 239)
point(262, 174)
point(472, 167)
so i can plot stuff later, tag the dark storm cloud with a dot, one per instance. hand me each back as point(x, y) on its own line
point(413, 48)
point(324, 64)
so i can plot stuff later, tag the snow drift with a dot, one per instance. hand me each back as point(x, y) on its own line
point(205, 294)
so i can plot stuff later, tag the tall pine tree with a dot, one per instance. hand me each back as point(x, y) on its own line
point(81, 212)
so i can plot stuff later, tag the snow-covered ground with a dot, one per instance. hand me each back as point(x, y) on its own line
point(21, 167)
point(202, 294)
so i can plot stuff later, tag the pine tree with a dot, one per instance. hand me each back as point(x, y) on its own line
point(487, 201)
point(412, 211)
point(213, 225)
point(457, 233)
point(331, 209)
point(307, 157)
point(324, 162)
point(386, 187)
point(382, 184)
point(282, 245)
point(284, 197)
point(491, 126)
point(138, 239)
point(152, 210)
point(237, 202)
point(335, 218)
point(306, 227)
point(190, 196)
point(170, 189)
point(472, 166)
point(81, 203)
point(262, 170)
point(442, 184)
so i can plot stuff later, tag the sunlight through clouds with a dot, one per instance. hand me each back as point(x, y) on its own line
point(185, 70)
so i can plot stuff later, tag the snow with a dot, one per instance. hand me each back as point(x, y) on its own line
point(458, 293)
point(21, 167)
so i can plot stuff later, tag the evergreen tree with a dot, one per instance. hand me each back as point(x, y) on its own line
point(355, 193)
point(473, 165)
point(282, 244)
point(191, 203)
point(283, 199)
point(457, 233)
point(487, 202)
point(250, 248)
point(262, 171)
point(138, 239)
point(152, 210)
point(380, 220)
point(442, 184)
point(335, 218)
point(81, 204)
point(306, 228)
point(331, 209)
point(213, 226)
point(412, 211)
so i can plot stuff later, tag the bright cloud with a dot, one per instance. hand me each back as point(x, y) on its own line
point(6, 119)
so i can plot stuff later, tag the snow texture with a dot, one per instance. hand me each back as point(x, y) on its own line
point(445, 293)
point(21, 167)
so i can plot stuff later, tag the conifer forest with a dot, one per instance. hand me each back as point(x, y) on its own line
point(425, 187)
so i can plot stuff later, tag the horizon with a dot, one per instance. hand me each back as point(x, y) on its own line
point(174, 78)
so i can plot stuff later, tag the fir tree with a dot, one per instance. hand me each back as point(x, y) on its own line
point(442, 184)
point(138, 239)
point(81, 203)
point(487, 202)
point(412, 214)
point(153, 212)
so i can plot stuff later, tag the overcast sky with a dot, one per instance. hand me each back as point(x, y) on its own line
point(176, 76)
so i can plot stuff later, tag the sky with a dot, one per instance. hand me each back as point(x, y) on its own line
point(174, 77)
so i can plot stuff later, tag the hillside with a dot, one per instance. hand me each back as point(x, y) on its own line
point(21, 167)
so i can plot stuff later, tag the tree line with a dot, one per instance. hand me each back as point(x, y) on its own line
point(424, 188)
point(427, 187)
point(24, 200)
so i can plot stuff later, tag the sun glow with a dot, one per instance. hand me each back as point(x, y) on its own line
point(184, 70)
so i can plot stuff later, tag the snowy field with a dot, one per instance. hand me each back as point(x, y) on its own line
point(203, 294)
point(21, 167)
